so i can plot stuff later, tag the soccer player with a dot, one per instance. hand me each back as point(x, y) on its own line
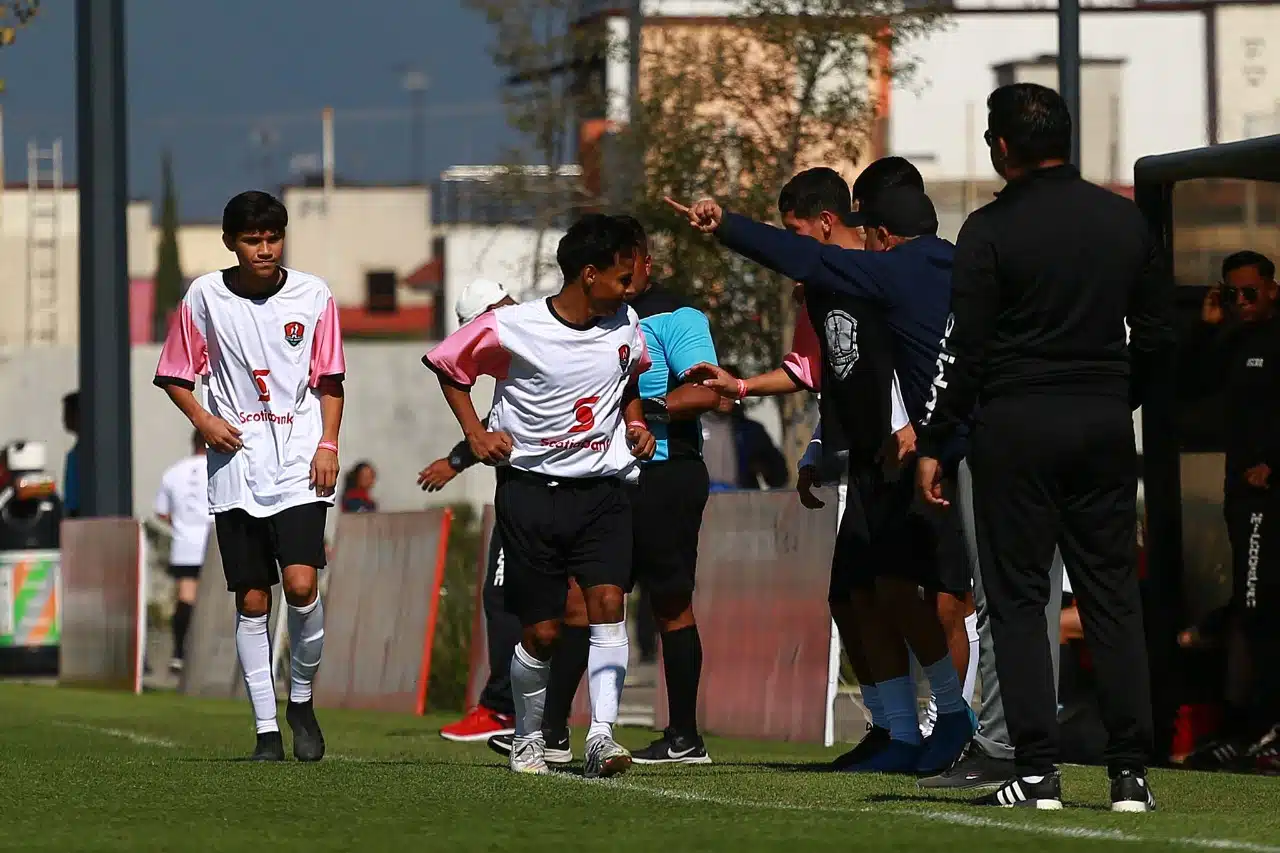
point(566, 409)
point(876, 309)
point(494, 714)
point(183, 504)
point(266, 341)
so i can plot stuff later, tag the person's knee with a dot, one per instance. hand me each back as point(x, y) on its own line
point(540, 638)
point(672, 610)
point(253, 602)
point(606, 604)
point(300, 585)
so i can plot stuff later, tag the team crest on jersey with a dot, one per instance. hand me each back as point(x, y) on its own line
point(624, 357)
point(293, 333)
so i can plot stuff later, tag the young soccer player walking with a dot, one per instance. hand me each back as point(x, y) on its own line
point(266, 341)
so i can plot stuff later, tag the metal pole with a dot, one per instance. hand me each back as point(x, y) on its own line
point(105, 401)
point(1069, 67)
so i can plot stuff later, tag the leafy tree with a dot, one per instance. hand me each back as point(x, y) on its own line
point(169, 282)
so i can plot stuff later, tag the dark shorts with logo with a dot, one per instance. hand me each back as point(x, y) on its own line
point(253, 549)
point(887, 530)
point(556, 529)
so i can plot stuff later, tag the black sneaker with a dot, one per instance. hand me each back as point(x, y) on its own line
point(673, 748)
point(270, 747)
point(1044, 794)
point(1131, 793)
point(1217, 755)
point(558, 751)
point(872, 742)
point(308, 741)
point(974, 770)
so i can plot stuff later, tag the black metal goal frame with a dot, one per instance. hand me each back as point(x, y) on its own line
point(1154, 180)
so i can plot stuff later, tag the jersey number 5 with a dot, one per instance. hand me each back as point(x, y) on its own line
point(259, 379)
point(583, 414)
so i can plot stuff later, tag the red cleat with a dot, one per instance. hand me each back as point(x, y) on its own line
point(478, 726)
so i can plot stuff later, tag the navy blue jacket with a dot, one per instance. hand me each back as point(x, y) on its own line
point(911, 284)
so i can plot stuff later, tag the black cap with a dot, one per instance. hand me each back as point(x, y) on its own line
point(903, 211)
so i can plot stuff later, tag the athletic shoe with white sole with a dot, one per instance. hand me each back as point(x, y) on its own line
point(1028, 792)
point(605, 758)
point(673, 748)
point(1130, 793)
point(557, 752)
point(479, 724)
point(528, 755)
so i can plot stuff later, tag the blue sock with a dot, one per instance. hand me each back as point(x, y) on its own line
point(946, 686)
point(871, 699)
point(898, 696)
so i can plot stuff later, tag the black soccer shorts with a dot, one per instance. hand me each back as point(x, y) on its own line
point(887, 530)
point(253, 549)
point(667, 507)
point(555, 529)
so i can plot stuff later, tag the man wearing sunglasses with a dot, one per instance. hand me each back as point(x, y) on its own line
point(1241, 351)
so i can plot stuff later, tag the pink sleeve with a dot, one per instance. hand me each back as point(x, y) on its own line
point(471, 352)
point(327, 358)
point(804, 362)
point(185, 354)
point(642, 363)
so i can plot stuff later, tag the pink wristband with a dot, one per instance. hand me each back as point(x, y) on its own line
point(742, 389)
point(638, 425)
point(328, 445)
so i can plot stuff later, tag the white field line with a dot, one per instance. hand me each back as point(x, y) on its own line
point(939, 816)
point(132, 737)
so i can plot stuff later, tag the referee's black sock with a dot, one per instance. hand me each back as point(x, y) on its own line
point(181, 622)
point(682, 662)
point(568, 665)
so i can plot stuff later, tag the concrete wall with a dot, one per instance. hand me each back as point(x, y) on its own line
point(1248, 58)
point(938, 116)
point(503, 253)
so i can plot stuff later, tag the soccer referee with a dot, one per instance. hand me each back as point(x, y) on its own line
point(1044, 281)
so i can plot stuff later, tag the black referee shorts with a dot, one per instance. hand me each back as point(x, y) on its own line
point(553, 530)
point(667, 508)
point(253, 549)
point(887, 530)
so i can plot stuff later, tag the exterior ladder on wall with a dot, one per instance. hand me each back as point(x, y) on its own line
point(44, 197)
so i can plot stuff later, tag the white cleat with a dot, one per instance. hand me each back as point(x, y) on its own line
point(529, 755)
point(605, 758)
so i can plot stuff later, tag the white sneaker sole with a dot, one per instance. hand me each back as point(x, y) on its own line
point(688, 759)
point(1040, 805)
point(1131, 807)
point(531, 770)
point(481, 738)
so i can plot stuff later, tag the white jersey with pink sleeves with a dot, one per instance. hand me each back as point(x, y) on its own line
point(560, 386)
point(262, 360)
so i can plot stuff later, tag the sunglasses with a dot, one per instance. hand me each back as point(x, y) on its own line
point(1247, 294)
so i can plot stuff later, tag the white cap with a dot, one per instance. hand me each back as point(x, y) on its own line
point(478, 297)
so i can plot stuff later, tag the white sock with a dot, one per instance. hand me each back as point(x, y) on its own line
point(253, 646)
point(529, 677)
point(971, 674)
point(606, 672)
point(306, 641)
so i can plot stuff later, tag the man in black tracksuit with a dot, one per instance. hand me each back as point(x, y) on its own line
point(1242, 353)
point(1045, 278)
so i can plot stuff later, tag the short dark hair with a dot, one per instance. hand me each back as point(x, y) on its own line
point(813, 191)
point(254, 211)
point(595, 240)
point(1033, 121)
point(883, 174)
point(71, 401)
point(638, 236)
point(1239, 260)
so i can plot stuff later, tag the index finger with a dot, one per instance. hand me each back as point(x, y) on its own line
point(675, 205)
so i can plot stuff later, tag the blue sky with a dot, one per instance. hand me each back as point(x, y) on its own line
point(234, 89)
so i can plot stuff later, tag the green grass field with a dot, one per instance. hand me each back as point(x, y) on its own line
point(82, 770)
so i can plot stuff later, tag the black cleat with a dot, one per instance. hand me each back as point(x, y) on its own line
point(558, 751)
point(270, 747)
point(1045, 794)
point(1218, 755)
point(974, 770)
point(1131, 793)
point(872, 742)
point(308, 741)
point(673, 748)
